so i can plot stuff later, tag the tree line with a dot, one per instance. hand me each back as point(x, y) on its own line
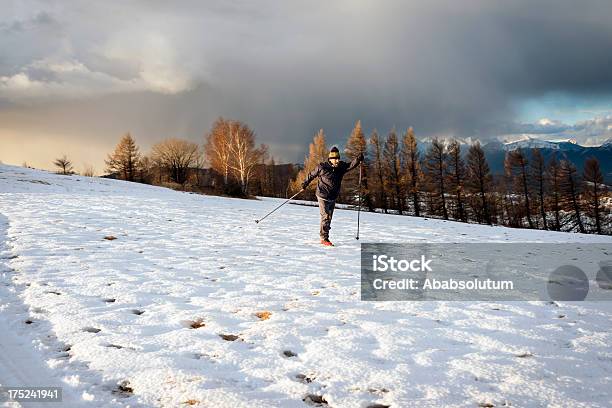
point(227, 162)
point(448, 180)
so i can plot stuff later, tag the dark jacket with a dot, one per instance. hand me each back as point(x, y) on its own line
point(330, 177)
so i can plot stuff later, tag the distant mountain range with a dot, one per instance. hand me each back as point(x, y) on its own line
point(495, 152)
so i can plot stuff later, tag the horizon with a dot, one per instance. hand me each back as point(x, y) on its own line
point(422, 141)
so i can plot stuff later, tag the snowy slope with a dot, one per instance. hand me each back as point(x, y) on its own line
point(108, 312)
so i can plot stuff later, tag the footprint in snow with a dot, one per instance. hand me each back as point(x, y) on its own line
point(137, 312)
point(124, 389)
point(194, 324)
point(117, 346)
point(315, 400)
point(304, 378)
point(229, 337)
point(263, 315)
point(378, 391)
point(289, 353)
point(109, 300)
point(63, 352)
point(91, 330)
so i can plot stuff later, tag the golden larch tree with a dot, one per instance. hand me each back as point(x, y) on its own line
point(317, 153)
point(125, 160)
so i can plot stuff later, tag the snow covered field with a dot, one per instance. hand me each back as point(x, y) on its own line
point(165, 314)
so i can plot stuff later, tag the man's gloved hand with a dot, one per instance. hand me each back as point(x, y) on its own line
point(360, 157)
point(304, 185)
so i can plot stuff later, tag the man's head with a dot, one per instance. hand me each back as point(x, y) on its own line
point(334, 156)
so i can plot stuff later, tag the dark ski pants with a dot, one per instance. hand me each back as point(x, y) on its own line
point(326, 209)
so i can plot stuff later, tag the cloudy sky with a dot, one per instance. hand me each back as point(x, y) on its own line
point(75, 76)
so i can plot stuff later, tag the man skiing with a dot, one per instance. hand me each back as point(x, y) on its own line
point(330, 175)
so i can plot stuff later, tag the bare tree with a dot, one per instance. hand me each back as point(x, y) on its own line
point(516, 163)
point(65, 165)
point(379, 173)
point(217, 148)
point(412, 168)
point(456, 171)
point(479, 180)
point(435, 165)
point(553, 173)
point(570, 190)
point(230, 149)
point(244, 155)
point(176, 156)
point(511, 213)
point(125, 160)
point(538, 176)
point(393, 170)
point(594, 190)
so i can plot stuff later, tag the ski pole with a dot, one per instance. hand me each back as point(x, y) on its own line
point(359, 204)
point(289, 199)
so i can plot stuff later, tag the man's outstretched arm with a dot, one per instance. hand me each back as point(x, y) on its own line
point(355, 162)
point(311, 176)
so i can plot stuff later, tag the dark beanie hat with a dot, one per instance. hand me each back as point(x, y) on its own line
point(334, 153)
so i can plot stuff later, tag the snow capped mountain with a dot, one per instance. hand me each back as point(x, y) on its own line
point(531, 143)
point(561, 149)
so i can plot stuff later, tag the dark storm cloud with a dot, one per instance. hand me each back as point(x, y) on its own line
point(455, 68)
point(290, 68)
